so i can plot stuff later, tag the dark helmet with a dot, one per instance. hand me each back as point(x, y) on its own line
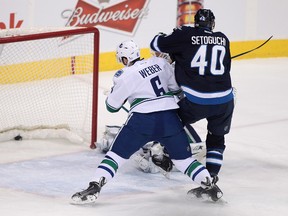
point(204, 18)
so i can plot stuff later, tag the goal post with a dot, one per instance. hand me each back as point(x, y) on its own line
point(49, 84)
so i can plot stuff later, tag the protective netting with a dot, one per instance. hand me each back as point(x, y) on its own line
point(46, 80)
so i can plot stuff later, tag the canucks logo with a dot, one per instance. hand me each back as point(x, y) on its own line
point(118, 73)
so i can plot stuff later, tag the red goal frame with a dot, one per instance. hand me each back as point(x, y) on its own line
point(66, 33)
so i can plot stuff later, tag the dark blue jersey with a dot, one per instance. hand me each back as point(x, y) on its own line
point(202, 63)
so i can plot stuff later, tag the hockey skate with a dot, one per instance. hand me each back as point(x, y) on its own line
point(210, 191)
point(90, 194)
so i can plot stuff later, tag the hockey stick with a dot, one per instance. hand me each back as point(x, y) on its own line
point(252, 49)
point(124, 108)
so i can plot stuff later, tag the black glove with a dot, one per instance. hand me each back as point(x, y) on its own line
point(163, 161)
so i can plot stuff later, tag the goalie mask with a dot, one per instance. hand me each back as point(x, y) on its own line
point(204, 18)
point(129, 50)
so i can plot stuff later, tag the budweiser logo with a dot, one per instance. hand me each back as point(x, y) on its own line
point(123, 16)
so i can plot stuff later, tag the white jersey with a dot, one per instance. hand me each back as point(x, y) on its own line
point(148, 85)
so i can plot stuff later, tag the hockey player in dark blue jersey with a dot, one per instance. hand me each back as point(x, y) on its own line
point(202, 69)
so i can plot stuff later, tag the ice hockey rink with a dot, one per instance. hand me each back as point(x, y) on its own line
point(37, 177)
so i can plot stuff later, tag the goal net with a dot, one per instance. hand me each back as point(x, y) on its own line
point(49, 84)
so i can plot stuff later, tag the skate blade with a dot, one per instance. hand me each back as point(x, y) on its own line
point(90, 199)
point(206, 198)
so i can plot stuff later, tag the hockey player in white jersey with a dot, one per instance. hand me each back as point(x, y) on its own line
point(149, 87)
point(152, 157)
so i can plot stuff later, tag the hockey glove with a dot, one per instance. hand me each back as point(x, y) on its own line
point(163, 161)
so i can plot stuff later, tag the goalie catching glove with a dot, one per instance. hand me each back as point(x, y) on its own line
point(160, 157)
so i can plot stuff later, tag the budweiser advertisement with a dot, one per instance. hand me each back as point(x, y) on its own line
point(186, 10)
point(119, 16)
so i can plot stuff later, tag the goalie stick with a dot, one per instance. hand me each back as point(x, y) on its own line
point(252, 49)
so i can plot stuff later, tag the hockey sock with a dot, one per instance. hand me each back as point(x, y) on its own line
point(192, 168)
point(109, 166)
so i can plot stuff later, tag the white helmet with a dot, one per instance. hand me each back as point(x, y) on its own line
point(128, 49)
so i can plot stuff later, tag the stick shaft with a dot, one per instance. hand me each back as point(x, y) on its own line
point(252, 49)
point(124, 108)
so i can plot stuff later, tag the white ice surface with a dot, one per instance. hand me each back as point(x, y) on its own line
point(37, 178)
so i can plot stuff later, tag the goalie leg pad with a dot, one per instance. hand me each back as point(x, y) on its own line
point(108, 137)
point(144, 164)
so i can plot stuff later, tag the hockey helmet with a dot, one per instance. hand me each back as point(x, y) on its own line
point(129, 50)
point(204, 18)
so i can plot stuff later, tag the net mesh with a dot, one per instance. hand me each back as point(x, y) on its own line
point(46, 82)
